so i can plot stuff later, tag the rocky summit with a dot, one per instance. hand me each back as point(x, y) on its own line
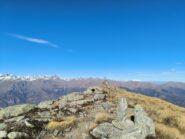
point(87, 115)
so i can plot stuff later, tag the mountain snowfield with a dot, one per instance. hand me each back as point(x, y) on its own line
point(27, 78)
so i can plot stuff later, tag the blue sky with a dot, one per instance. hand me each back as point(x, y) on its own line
point(117, 39)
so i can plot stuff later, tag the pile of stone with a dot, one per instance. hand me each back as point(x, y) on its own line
point(137, 126)
point(29, 121)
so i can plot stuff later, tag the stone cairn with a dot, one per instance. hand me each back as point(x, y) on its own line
point(137, 126)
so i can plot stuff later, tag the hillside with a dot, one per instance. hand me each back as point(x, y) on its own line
point(19, 90)
point(169, 118)
point(95, 113)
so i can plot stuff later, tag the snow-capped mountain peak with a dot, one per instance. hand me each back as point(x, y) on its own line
point(28, 78)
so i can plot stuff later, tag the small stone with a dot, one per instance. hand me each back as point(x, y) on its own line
point(99, 96)
point(56, 132)
point(18, 135)
point(106, 105)
point(72, 110)
point(3, 134)
point(28, 124)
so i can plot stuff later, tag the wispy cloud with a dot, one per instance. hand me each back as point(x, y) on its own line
point(33, 40)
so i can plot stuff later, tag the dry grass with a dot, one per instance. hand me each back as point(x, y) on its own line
point(102, 117)
point(169, 118)
point(92, 126)
point(166, 132)
point(61, 125)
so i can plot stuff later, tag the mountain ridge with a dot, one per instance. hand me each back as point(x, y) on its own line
point(18, 90)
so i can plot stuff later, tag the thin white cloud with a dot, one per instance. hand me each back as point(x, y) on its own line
point(33, 40)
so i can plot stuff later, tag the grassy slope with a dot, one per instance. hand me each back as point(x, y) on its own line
point(169, 118)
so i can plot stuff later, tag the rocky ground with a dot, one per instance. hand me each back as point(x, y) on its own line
point(87, 115)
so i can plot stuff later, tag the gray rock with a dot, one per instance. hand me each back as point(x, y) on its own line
point(144, 122)
point(81, 102)
point(60, 115)
point(18, 135)
point(107, 105)
point(2, 126)
point(99, 96)
point(75, 97)
point(122, 110)
point(62, 104)
point(132, 133)
point(55, 132)
point(123, 128)
point(106, 130)
point(44, 114)
point(123, 124)
point(3, 134)
point(45, 105)
point(28, 124)
point(15, 119)
point(72, 110)
point(16, 110)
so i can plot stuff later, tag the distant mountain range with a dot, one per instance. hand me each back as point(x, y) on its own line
point(34, 89)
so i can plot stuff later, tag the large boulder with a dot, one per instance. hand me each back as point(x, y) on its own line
point(13, 111)
point(144, 122)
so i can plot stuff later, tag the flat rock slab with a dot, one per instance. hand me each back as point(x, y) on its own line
point(106, 131)
point(123, 125)
point(45, 105)
point(16, 110)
